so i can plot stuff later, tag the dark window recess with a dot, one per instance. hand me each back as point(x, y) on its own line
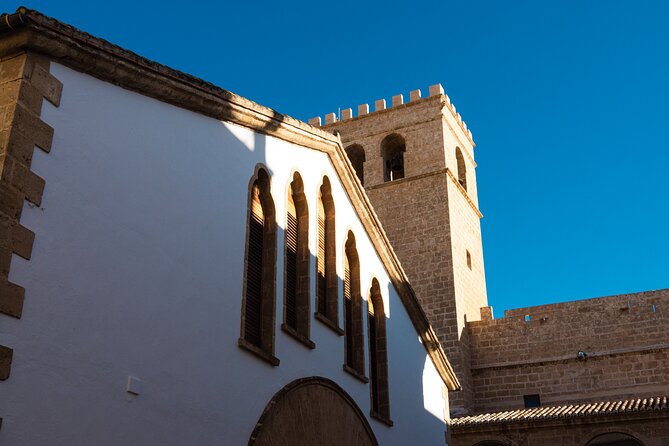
point(353, 330)
point(532, 401)
point(356, 154)
point(348, 316)
point(254, 268)
point(291, 269)
point(327, 306)
point(462, 168)
point(469, 260)
point(373, 365)
point(392, 152)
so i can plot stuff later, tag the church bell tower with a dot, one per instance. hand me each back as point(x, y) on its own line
point(416, 163)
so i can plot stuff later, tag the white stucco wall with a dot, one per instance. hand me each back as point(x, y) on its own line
point(137, 269)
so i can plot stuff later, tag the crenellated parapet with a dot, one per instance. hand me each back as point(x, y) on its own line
point(396, 101)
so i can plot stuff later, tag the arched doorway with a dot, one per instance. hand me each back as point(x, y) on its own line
point(614, 439)
point(312, 411)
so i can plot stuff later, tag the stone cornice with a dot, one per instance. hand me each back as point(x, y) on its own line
point(85, 53)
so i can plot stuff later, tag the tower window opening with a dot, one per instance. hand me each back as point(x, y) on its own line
point(532, 400)
point(469, 260)
point(392, 152)
point(356, 155)
point(462, 168)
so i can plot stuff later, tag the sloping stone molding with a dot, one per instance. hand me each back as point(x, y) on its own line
point(312, 411)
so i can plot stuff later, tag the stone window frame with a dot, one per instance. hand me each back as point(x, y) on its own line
point(378, 356)
point(327, 280)
point(354, 337)
point(393, 146)
point(296, 203)
point(267, 312)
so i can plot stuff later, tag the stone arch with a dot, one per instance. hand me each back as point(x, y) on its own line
point(614, 439)
point(332, 417)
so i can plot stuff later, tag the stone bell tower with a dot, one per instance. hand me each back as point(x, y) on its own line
point(416, 162)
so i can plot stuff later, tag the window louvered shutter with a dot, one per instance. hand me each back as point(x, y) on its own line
point(291, 266)
point(320, 277)
point(373, 365)
point(254, 267)
point(348, 309)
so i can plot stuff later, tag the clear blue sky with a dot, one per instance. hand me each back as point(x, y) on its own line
point(567, 101)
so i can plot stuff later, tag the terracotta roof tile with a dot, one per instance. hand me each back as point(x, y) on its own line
point(565, 411)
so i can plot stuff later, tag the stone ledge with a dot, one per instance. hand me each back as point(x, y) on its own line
point(260, 353)
point(355, 373)
point(328, 323)
point(298, 337)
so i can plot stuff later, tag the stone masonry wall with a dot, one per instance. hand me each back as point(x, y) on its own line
point(625, 339)
point(469, 281)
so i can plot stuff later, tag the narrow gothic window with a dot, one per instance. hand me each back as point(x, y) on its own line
point(258, 308)
point(378, 356)
point(326, 278)
point(296, 297)
point(353, 334)
point(392, 152)
point(356, 154)
point(462, 168)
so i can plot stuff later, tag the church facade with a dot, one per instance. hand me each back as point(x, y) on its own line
point(183, 266)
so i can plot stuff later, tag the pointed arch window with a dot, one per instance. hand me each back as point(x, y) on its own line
point(258, 302)
point(378, 355)
point(356, 154)
point(462, 168)
point(392, 151)
point(327, 306)
point(296, 283)
point(353, 332)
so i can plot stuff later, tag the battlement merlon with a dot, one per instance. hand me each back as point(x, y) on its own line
point(396, 102)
